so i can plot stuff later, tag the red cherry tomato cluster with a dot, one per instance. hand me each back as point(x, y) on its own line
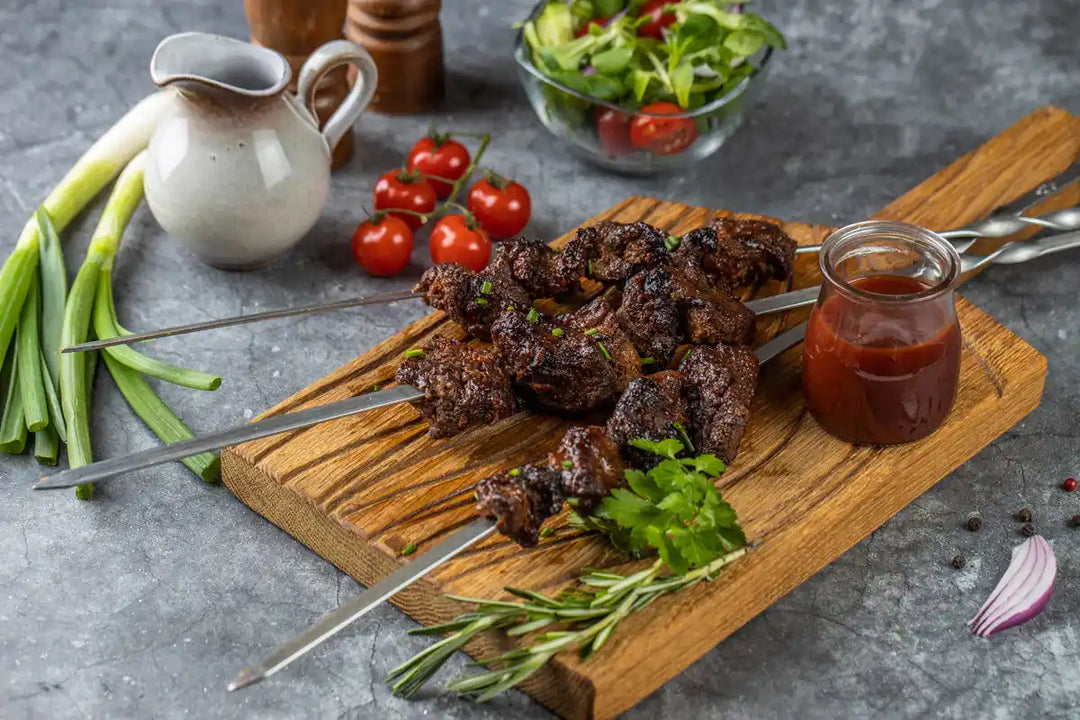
point(405, 199)
point(621, 132)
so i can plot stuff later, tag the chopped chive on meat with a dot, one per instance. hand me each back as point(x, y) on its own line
point(414, 353)
point(603, 351)
point(557, 332)
point(486, 287)
point(647, 360)
point(533, 316)
point(375, 387)
point(591, 331)
point(480, 301)
point(408, 550)
point(588, 268)
point(514, 472)
point(672, 242)
point(567, 464)
point(509, 307)
point(546, 532)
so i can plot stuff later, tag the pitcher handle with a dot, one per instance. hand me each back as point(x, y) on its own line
point(332, 55)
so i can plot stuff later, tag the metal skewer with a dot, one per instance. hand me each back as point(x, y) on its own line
point(992, 227)
point(386, 588)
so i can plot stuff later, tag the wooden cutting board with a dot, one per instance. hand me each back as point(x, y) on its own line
point(358, 490)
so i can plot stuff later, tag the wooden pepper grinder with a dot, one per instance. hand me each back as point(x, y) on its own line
point(405, 39)
point(296, 28)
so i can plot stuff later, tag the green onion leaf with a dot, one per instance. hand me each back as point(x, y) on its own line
point(557, 332)
point(480, 301)
point(54, 288)
point(47, 446)
point(647, 361)
point(514, 472)
point(414, 353)
point(28, 358)
point(603, 351)
point(408, 550)
point(533, 316)
point(486, 287)
point(12, 426)
point(592, 331)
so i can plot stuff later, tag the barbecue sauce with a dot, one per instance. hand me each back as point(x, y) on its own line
point(880, 372)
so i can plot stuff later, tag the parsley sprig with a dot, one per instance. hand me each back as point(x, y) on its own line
point(674, 509)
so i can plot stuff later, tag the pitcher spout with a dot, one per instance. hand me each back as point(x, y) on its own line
point(218, 67)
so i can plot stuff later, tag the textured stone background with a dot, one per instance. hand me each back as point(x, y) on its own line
point(145, 602)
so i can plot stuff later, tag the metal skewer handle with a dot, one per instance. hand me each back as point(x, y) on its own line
point(998, 226)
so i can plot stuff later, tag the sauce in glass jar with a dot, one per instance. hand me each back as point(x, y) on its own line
point(882, 355)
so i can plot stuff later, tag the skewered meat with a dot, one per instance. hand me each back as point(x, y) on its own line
point(521, 500)
point(649, 315)
point(615, 251)
point(462, 384)
point(710, 312)
point(600, 321)
point(539, 268)
point(558, 368)
point(652, 408)
point(592, 465)
point(719, 384)
point(745, 251)
point(471, 299)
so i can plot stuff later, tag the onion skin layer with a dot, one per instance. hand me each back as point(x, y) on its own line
point(1024, 589)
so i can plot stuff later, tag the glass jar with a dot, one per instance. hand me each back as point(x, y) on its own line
point(882, 355)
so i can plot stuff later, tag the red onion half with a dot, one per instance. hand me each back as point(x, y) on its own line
point(1023, 590)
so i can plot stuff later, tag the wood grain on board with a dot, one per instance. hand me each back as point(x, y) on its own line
point(358, 490)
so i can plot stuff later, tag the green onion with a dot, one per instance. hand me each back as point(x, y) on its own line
point(28, 359)
point(105, 327)
point(12, 426)
point(672, 242)
point(509, 307)
point(56, 410)
point(648, 360)
point(92, 172)
point(603, 351)
point(591, 331)
point(514, 472)
point(414, 353)
point(47, 446)
point(408, 550)
point(159, 417)
point(588, 268)
point(557, 332)
point(533, 316)
point(74, 393)
point(567, 464)
point(54, 287)
point(480, 301)
point(486, 287)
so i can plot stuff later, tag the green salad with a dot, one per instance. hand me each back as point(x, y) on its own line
point(635, 53)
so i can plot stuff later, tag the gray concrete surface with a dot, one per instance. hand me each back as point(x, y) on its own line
point(144, 602)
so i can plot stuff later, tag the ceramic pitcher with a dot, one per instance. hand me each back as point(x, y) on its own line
point(239, 171)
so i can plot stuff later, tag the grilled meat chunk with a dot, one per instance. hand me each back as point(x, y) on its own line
point(710, 313)
point(591, 465)
point(615, 251)
point(462, 384)
point(472, 299)
point(557, 367)
point(520, 500)
point(649, 315)
point(539, 268)
point(600, 321)
point(747, 252)
point(652, 408)
point(718, 385)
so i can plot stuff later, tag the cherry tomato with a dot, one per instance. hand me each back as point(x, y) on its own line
point(663, 136)
point(382, 246)
point(399, 190)
point(658, 20)
point(439, 156)
point(501, 206)
point(452, 240)
point(597, 21)
point(613, 127)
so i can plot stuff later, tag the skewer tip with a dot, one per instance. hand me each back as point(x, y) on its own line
point(247, 676)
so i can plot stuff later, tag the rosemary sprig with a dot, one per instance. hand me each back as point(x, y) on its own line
point(584, 618)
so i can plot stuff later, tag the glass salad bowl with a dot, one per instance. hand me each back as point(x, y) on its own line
point(603, 132)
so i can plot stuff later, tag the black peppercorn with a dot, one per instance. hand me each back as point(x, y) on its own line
point(959, 562)
point(1076, 520)
point(974, 523)
point(1027, 529)
point(1024, 516)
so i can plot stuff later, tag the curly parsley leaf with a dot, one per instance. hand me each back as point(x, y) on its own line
point(673, 509)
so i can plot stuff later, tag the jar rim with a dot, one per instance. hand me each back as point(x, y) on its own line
point(915, 234)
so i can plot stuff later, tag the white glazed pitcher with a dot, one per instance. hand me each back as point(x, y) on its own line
point(239, 171)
